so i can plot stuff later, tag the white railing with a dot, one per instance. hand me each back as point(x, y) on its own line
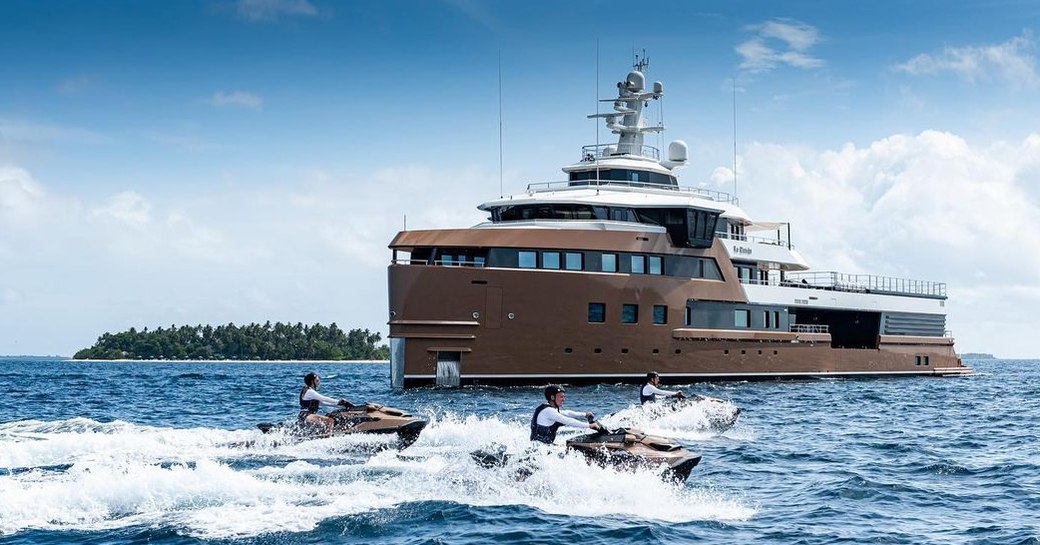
point(717, 196)
point(860, 283)
point(438, 262)
point(605, 151)
point(756, 240)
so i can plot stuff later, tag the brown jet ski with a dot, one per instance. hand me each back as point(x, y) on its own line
point(623, 448)
point(367, 418)
point(630, 448)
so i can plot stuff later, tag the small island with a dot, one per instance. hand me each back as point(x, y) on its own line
point(230, 342)
point(977, 356)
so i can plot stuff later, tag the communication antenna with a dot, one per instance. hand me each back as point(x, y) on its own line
point(501, 191)
point(596, 151)
point(734, 137)
point(641, 63)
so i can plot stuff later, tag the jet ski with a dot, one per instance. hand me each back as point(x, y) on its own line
point(630, 448)
point(622, 448)
point(367, 418)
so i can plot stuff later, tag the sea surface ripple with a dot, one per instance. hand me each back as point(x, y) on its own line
point(168, 453)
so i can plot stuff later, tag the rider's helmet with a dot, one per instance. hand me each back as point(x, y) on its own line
point(552, 390)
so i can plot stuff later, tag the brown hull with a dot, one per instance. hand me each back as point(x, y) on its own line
point(515, 326)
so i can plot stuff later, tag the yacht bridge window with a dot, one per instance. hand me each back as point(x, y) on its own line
point(608, 175)
point(692, 227)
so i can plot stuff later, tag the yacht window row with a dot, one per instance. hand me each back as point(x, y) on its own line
point(569, 260)
point(629, 314)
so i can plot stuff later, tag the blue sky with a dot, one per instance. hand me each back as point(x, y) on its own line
point(216, 161)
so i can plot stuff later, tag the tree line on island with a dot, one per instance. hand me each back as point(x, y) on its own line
point(230, 342)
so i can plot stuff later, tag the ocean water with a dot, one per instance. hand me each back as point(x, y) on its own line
point(168, 453)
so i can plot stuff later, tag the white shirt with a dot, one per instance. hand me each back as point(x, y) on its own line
point(551, 415)
point(311, 395)
point(649, 389)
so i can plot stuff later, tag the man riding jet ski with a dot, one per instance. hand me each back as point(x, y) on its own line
point(551, 415)
point(366, 418)
point(623, 448)
point(721, 415)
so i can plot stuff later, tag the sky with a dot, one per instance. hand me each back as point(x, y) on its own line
point(216, 161)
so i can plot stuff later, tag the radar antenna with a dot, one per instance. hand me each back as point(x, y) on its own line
point(641, 62)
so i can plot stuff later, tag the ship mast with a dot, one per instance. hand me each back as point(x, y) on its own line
point(628, 106)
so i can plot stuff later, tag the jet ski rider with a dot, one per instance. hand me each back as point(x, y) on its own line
point(311, 400)
point(650, 391)
point(549, 416)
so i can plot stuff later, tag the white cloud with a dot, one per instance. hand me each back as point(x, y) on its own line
point(237, 99)
point(22, 199)
point(1012, 62)
point(271, 10)
point(781, 41)
point(129, 209)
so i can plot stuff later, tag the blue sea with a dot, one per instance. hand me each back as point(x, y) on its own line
point(168, 453)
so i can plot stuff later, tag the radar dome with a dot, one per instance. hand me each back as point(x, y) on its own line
point(635, 81)
point(677, 151)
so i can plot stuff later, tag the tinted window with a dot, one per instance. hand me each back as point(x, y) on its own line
point(597, 312)
point(638, 264)
point(572, 261)
point(550, 260)
point(528, 260)
point(629, 314)
point(660, 314)
point(742, 318)
point(655, 264)
point(609, 263)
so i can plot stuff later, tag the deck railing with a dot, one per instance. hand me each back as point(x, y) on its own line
point(756, 240)
point(606, 151)
point(861, 283)
point(717, 196)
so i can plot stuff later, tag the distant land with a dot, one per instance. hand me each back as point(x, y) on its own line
point(253, 342)
point(978, 356)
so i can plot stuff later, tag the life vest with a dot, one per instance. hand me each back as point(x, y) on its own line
point(545, 434)
point(309, 405)
point(643, 398)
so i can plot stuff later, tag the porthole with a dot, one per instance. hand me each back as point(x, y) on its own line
point(567, 350)
point(656, 351)
point(476, 315)
point(678, 351)
point(624, 351)
point(774, 352)
point(510, 315)
point(743, 352)
point(393, 313)
point(597, 350)
point(726, 351)
point(759, 352)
